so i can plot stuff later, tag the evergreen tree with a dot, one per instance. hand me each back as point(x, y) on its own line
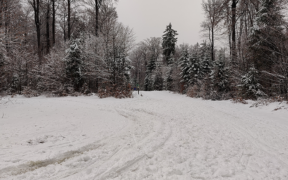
point(185, 63)
point(220, 75)
point(74, 64)
point(149, 85)
point(122, 68)
point(14, 84)
point(127, 68)
point(205, 65)
point(159, 81)
point(250, 86)
point(168, 44)
point(152, 64)
point(148, 82)
point(194, 70)
point(267, 35)
point(205, 60)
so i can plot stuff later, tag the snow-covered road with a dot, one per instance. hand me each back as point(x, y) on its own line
point(156, 136)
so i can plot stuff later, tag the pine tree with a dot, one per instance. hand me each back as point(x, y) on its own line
point(159, 81)
point(205, 65)
point(149, 85)
point(148, 82)
point(152, 64)
point(220, 75)
point(205, 60)
point(127, 68)
point(14, 84)
point(185, 63)
point(74, 64)
point(121, 75)
point(267, 35)
point(169, 43)
point(250, 86)
point(194, 70)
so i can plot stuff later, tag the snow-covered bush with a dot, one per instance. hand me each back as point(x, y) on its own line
point(250, 86)
point(28, 92)
point(239, 100)
point(193, 91)
point(115, 91)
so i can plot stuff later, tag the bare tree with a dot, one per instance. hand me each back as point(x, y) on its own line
point(48, 27)
point(214, 14)
point(54, 22)
point(233, 27)
point(69, 19)
point(36, 7)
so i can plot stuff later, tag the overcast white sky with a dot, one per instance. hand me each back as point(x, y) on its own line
point(149, 18)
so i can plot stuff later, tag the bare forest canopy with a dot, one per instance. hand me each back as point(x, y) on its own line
point(71, 47)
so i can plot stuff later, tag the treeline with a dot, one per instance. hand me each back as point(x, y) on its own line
point(66, 47)
point(249, 61)
point(63, 47)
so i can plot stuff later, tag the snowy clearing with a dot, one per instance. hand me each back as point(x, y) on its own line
point(159, 135)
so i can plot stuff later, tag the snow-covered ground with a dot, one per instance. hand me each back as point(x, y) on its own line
point(159, 135)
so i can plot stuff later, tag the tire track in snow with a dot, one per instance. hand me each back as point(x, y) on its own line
point(33, 165)
point(141, 150)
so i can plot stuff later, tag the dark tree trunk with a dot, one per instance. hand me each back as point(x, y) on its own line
point(234, 53)
point(36, 7)
point(1, 15)
point(212, 44)
point(7, 21)
point(48, 28)
point(64, 28)
point(53, 22)
point(97, 6)
point(69, 19)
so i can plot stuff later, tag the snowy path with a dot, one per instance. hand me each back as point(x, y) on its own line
point(159, 135)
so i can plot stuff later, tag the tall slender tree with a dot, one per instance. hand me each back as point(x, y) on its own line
point(54, 22)
point(36, 7)
point(233, 29)
point(213, 11)
point(97, 9)
point(69, 19)
point(169, 43)
point(48, 28)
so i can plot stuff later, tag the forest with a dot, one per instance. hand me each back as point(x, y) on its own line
point(66, 47)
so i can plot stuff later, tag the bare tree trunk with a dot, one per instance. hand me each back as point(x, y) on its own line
point(229, 29)
point(97, 17)
point(64, 29)
point(53, 23)
point(114, 70)
point(69, 19)
point(1, 14)
point(36, 7)
point(234, 52)
point(7, 22)
point(240, 48)
point(212, 44)
point(48, 28)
